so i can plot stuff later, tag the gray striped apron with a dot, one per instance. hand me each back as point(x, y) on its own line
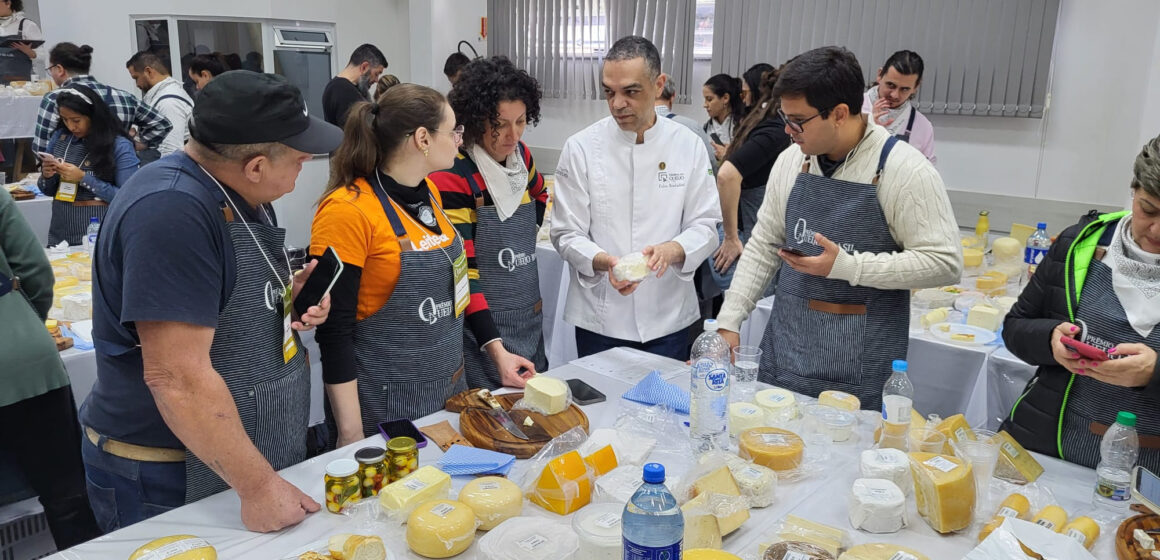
point(69, 222)
point(1090, 400)
point(505, 255)
point(809, 350)
point(272, 396)
point(409, 354)
point(747, 206)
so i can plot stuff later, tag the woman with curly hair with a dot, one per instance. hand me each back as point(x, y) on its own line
point(496, 199)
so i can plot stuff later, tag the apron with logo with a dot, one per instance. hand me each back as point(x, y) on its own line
point(69, 221)
point(14, 65)
point(409, 354)
point(1091, 401)
point(826, 334)
point(505, 255)
point(272, 393)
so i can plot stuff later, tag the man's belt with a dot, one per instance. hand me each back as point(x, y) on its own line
point(135, 452)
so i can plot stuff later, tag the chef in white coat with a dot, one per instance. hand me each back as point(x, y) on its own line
point(634, 182)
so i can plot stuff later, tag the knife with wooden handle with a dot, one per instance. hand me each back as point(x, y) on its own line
point(499, 414)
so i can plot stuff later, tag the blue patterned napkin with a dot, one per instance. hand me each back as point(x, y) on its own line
point(461, 459)
point(655, 390)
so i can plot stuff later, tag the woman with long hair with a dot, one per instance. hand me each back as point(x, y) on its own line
point(751, 84)
point(393, 344)
point(91, 157)
point(723, 102)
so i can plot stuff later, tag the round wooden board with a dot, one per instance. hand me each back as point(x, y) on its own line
point(486, 433)
point(1126, 547)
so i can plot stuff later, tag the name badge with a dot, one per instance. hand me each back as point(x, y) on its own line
point(462, 290)
point(67, 192)
point(289, 345)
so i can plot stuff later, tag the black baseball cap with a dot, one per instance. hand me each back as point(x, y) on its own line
point(244, 107)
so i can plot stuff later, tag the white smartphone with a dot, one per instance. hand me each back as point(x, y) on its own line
point(47, 157)
point(1146, 488)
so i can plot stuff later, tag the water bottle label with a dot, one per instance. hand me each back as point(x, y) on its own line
point(633, 551)
point(1034, 255)
point(717, 379)
point(1116, 491)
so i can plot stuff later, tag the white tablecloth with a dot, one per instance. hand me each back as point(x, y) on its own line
point(821, 497)
point(18, 116)
point(38, 212)
point(1007, 377)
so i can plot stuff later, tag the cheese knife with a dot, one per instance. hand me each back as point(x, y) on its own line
point(499, 414)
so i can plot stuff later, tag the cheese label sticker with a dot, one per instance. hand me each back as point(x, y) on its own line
point(174, 548)
point(903, 556)
point(608, 520)
point(941, 464)
point(881, 493)
point(773, 439)
point(414, 484)
point(1010, 450)
point(1046, 523)
point(531, 543)
point(1007, 512)
point(442, 509)
point(961, 434)
point(1077, 535)
point(885, 458)
point(750, 473)
point(489, 486)
point(747, 410)
point(777, 397)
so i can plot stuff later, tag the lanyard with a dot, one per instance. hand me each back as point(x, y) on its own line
point(254, 237)
point(391, 211)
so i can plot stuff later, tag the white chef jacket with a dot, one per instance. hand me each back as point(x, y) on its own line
point(615, 196)
point(177, 111)
point(11, 26)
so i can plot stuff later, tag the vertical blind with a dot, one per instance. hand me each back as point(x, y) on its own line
point(562, 42)
point(982, 57)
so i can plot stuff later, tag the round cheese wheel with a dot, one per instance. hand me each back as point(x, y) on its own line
point(1007, 248)
point(493, 499)
point(840, 400)
point(743, 416)
point(972, 257)
point(882, 551)
point(780, 450)
point(440, 529)
point(708, 554)
point(176, 547)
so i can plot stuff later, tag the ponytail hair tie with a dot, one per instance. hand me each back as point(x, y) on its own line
point(375, 109)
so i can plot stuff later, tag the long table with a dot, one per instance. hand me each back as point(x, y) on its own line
point(821, 497)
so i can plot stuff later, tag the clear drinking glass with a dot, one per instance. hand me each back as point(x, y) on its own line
point(927, 440)
point(982, 453)
point(745, 363)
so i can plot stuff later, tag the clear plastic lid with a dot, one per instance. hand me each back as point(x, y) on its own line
point(599, 523)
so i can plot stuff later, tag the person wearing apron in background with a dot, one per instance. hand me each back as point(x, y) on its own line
point(891, 102)
point(394, 345)
point(92, 159)
point(19, 60)
point(1099, 284)
point(863, 219)
point(202, 381)
point(496, 199)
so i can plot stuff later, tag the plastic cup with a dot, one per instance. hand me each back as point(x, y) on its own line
point(746, 360)
point(982, 453)
point(928, 440)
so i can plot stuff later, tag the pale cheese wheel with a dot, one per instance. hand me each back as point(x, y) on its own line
point(840, 400)
point(877, 506)
point(175, 547)
point(440, 529)
point(779, 404)
point(780, 450)
point(972, 257)
point(882, 551)
point(743, 416)
point(1007, 248)
point(708, 554)
point(493, 499)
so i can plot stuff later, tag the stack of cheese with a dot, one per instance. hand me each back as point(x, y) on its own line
point(944, 491)
point(715, 509)
point(888, 464)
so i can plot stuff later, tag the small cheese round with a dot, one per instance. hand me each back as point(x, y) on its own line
point(632, 267)
point(440, 529)
point(743, 416)
point(877, 506)
point(1084, 530)
point(494, 500)
point(840, 400)
point(780, 405)
point(1007, 248)
point(882, 551)
point(176, 547)
point(972, 257)
point(1053, 517)
point(780, 450)
point(888, 464)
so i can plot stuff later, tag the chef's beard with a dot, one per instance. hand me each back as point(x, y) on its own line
point(364, 85)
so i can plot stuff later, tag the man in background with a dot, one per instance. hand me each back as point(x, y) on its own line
point(353, 83)
point(453, 65)
point(165, 95)
point(664, 108)
point(891, 102)
point(203, 68)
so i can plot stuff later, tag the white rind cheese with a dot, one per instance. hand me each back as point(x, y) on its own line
point(877, 506)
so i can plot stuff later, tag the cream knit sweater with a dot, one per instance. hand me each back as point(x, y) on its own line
point(915, 202)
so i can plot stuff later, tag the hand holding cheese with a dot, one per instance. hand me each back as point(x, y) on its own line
point(546, 395)
point(632, 267)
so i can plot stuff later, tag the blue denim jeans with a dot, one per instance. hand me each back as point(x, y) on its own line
point(675, 346)
point(123, 491)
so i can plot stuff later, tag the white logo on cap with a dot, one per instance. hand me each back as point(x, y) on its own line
point(305, 109)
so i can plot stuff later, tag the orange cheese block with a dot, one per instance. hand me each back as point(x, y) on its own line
point(602, 461)
point(565, 485)
point(780, 450)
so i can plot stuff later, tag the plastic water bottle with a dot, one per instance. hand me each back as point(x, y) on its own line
point(652, 524)
point(897, 400)
point(1037, 246)
point(1118, 452)
point(90, 240)
point(709, 390)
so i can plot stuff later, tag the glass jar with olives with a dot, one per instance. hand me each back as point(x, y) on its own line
point(402, 457)
point(343, 487)
point(372, 463)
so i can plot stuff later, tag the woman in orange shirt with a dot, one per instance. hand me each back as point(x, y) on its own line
point(393, 346)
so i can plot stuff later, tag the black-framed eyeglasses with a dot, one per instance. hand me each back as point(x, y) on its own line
point(796, 126)
point(54, 66)
point(457, 132)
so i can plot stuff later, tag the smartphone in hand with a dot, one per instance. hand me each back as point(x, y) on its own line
point(321, 280)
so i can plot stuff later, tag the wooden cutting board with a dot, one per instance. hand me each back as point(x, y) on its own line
point(1126, 547)
point(485, 432)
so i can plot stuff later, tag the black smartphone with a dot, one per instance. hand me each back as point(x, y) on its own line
point(321, 280)
point(402, 428)
point(583, 393)
point(716, 138)
point(789, 250)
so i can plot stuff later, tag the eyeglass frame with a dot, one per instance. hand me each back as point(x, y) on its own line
point(456, 132)
point(798, 127)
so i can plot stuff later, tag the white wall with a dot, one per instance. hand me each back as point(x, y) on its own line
point(445, 23)
point(1105, 101)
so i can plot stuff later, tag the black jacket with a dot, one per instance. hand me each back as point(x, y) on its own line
point(1034, 421)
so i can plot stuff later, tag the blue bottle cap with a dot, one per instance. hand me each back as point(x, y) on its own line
point(1042, 225)
point(94, 220)
point(899, 365)
point(654, 473)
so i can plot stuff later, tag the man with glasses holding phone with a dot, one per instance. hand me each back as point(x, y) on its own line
point(860, 218)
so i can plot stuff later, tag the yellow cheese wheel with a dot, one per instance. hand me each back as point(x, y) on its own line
point(1007, 248)
point(1084, 530)
point(780, 450)
point(708, 554)
point(494, 500)
point(1053, 517)
point(882, 551)
point(176, 547)
point(944, 491)
point(440, 529)
point(972, 257)
point(839, 400)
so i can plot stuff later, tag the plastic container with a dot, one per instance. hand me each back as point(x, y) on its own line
point(1037, 246)
point(709, 390)
point(897, 401)
point(838, 424)
point(652, 522)
point(1119, 449)
point(529, 538)
point(90, 238)
point(598, 527)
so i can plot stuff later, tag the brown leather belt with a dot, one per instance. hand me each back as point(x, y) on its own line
point(1146, 442)
point(458, 374)
point(89, 203)
point(135, 452)
point(538, 307)
point(837, 308)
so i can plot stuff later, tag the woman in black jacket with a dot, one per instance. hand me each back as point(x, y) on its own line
point(1100, 284)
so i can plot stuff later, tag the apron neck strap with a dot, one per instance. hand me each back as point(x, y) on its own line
point(392, 214)
point(890, 142)
point(910, 123)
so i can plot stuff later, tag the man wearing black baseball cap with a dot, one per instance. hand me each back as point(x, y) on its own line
point(201, 381)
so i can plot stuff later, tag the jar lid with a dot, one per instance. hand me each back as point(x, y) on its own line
point(370, 455)
point(401, 444)
point(342, 468)
point(599, 523)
